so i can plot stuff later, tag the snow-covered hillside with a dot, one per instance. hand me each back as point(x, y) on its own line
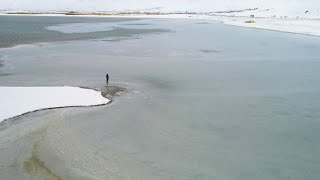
point(290, 8)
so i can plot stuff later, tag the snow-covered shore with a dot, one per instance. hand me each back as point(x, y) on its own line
point(19, 100)
point(307, 26)
point(299, 24)
point(294, 16)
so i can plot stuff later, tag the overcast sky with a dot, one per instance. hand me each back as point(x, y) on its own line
point(167, 5)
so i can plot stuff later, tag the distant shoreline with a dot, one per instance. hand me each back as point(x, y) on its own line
point(306, 26)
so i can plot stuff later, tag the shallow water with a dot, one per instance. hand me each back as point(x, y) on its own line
point(205, 101)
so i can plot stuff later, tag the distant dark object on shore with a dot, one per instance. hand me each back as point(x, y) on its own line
point(250, 21)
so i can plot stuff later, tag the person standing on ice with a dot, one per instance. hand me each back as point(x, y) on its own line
point(107, 78)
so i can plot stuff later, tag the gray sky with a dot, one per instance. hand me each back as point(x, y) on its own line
point(168, 5)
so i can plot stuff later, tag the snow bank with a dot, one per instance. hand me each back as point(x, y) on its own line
point(18, 100)
point(300, 26)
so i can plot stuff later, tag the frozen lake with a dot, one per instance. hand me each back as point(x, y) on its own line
point(204, 101)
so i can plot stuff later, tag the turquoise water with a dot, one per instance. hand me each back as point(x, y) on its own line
point(205, 101)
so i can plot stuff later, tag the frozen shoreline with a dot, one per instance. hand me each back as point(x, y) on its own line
point(298, 26)
point(20, 100)
point(306, 26)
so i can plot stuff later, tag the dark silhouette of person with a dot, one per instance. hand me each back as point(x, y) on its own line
point(107, 77)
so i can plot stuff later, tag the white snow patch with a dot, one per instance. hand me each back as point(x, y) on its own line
point(19, 100)
point(301, 26)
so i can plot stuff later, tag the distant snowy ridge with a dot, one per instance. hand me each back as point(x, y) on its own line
point(263, 8)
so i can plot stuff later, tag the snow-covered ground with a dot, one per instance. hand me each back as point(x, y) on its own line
point(296, 16)
point(306, 26)
point(301, 26)
point(303, 18)
point(286, 7)
point(19, 100)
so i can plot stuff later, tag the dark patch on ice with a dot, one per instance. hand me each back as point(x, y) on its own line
point(120, 39)
point(264, 44)
point(1, 61)
point(5, 74)
point(209, 51)
point(110, 92)
point(3, 67)
point(159, 83)
point(133, 31)
point(137, 24)
point(310, 46)
point(202, 23)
